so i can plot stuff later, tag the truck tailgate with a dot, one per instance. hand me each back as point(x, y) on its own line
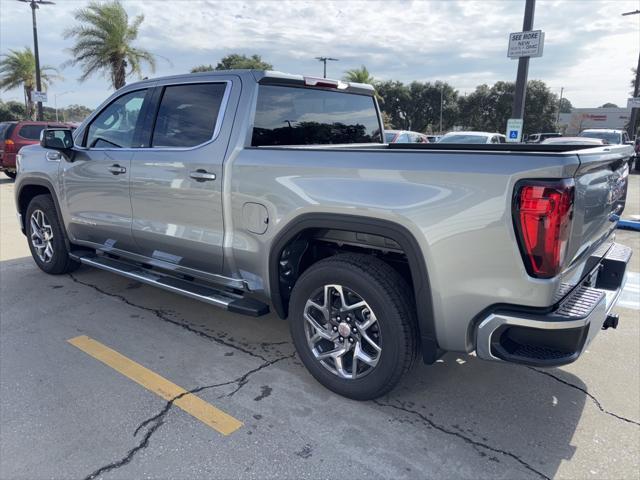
point(600, 195)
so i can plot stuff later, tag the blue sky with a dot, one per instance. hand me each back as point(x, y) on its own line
point(589, 47)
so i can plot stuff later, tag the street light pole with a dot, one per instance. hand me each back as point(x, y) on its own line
point(441, 103)
point(55, 101)
point(559, 106)
point(324, 61)
point(34, 5)
point(636, 90)
point(517, 110)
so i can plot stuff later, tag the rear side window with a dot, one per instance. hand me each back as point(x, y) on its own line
point(305, 116)
point(5, 130)
point(31, 132)
point(188, 114)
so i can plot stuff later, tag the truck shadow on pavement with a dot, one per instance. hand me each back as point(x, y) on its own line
point(513, 414)
point(508, 418)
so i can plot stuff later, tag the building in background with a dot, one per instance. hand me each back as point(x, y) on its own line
point(582, 118)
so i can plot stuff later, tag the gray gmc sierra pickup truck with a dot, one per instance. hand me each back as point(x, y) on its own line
point(255, 190)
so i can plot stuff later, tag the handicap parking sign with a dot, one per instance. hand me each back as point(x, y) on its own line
point(514, 130)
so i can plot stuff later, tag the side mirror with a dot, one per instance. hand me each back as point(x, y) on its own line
point(60, 139)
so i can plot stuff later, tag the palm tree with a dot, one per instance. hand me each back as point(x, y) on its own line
point(104, 39)
point(359, 75)
point(18, 69)
point(362, 75)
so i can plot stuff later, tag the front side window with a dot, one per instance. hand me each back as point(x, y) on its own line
point(115, 126)
point(187, 115)
point(306, 116)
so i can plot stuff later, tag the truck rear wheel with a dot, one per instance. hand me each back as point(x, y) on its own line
point(353, 323)
point(46, 237)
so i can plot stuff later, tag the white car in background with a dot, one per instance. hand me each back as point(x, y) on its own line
point(473, 137)
point(610, 136)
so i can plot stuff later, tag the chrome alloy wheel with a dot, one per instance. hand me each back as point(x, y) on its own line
point(41, 236)
point(342, 332)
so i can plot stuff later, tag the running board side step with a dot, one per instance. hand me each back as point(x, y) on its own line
point(227, 300)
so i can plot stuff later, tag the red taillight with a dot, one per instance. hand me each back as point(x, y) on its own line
point(9, 146)
point(542, 217)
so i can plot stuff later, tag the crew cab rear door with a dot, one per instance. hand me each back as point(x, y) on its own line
point(176, 180)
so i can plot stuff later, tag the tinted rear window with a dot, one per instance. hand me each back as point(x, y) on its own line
point(5, 130)
point(187, 115)
point(31, 132)
point(304, 116)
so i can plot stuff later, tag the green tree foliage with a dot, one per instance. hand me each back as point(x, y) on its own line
point(417, 106)
point(12, 111)
point(18, 69)
point(202, 68)
point(608, 105)
point(236, 61)
point(104, 43)
point(489, 108)
point(72, 113)
point(565, 105)
point(359, 75)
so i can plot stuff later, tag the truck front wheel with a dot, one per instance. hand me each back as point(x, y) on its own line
point(353, 323)
point(46, 237)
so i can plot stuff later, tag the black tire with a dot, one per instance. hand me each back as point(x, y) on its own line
point(388, 295)
point(60, 262)
point(11, 175)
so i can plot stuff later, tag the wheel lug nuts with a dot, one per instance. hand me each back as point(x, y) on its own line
point(354, 330)
point(341, 339)
point(335, 329)
point(350, 339)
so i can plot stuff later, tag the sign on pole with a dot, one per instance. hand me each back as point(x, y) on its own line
point(514, 130)
point(526, 44)
point(633, 102)
point(38, 96)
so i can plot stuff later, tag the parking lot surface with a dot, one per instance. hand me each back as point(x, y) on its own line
point(99, 411)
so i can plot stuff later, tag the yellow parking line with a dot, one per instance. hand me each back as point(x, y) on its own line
point(193, 405)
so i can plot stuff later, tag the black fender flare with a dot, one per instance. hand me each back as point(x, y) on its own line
point(40, 182)
point(373, 226)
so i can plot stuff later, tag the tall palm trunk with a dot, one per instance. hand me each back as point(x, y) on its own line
point(119, 72)
point(28, 104)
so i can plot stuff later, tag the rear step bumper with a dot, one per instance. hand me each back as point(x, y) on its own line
point(219, 297)
point(560, 336)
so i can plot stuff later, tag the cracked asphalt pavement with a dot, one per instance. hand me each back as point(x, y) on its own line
point(65, 415)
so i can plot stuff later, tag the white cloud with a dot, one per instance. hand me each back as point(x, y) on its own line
point(589, 47)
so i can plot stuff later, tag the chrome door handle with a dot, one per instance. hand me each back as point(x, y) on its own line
point(202, 175)
point(117, 169)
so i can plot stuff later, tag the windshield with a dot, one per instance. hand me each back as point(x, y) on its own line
point(389, 136)
point(463, 139)
point(609, 137)
point(306, 116)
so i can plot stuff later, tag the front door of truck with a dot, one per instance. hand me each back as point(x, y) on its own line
point(176, 181)
point(96, 182)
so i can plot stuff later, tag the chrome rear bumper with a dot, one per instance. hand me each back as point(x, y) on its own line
point(557, 337)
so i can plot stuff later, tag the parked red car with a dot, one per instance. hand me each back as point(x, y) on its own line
point(15, 135)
